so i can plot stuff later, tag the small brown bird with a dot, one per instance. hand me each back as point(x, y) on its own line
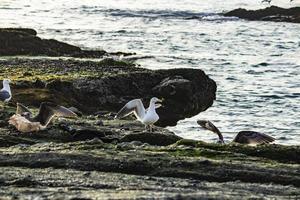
point(25, 122)
point(243, 137)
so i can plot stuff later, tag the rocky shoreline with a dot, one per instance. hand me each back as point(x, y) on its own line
point(97, 157)
point(108, 85)
point(272, 13)
point(24, 41)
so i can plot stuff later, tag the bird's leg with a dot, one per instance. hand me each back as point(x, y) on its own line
point(146, 128)
point(151, 129)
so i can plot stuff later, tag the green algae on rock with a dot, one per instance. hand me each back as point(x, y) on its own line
point(107, 85)
point(99, 155)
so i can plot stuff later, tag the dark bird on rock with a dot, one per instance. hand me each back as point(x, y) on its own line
point(243, 137)
point(25, 122)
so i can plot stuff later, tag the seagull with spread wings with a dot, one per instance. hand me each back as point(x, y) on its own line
point(25, 122)
point(146, 116)
point(243, 137)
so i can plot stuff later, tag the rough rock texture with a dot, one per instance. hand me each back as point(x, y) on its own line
point(272, 13)
point(19, 41)
point(103, 127)
point(109, 85)
point(94, 86)
point(97, 157)
point(94, 157)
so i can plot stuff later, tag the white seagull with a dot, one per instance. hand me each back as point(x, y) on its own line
point(5, 92)
point(146, 116)
point(25, 122)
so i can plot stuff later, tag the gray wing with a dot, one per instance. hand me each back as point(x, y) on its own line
point(252, 137)
point(134, 106)
point(49, 110)
point(4, 95)
point(211, 127)
point(208, 125)
point(22, 109)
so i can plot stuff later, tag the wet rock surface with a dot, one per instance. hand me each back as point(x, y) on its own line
point(118, 159)
point(272, 13)
point(51, 183)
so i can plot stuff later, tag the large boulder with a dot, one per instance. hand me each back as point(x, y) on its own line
point(95, 86)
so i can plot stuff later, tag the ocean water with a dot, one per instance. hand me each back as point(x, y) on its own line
point(256, 64)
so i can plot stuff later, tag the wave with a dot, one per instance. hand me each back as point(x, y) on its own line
point(156, 14)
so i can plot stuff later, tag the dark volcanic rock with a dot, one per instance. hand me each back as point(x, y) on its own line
point(19, 41)
point(152, 138)
point(94, 86)
point(109, 85)
point(272, 13)
point(113, 158)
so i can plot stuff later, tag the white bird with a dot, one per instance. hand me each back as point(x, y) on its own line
point(5, 92)
point(25, 122)
point(146, 116)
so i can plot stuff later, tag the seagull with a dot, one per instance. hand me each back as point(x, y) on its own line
point(243, 137)
point(146, 116)
point(25, 122)
point(5, 92)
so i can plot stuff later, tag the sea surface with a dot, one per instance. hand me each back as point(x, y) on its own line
point(256, 64)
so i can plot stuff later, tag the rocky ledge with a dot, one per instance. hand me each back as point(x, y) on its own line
point(98, 157)
point(272, 13)
point(108, 85)
point(95, 157)
point(21, 41)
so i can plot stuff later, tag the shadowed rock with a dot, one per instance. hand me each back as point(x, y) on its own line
point(109, 84)
point(272, 13)
point(152, 138)
point(19, 41)
point(116, 155)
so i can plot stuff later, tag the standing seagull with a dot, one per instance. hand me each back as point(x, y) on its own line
point(243, 137)
point(25, 122)
point(5, 92)
point(146, 116)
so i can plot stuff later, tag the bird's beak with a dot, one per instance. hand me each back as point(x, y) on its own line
point(158, 105)
point(160, 100)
